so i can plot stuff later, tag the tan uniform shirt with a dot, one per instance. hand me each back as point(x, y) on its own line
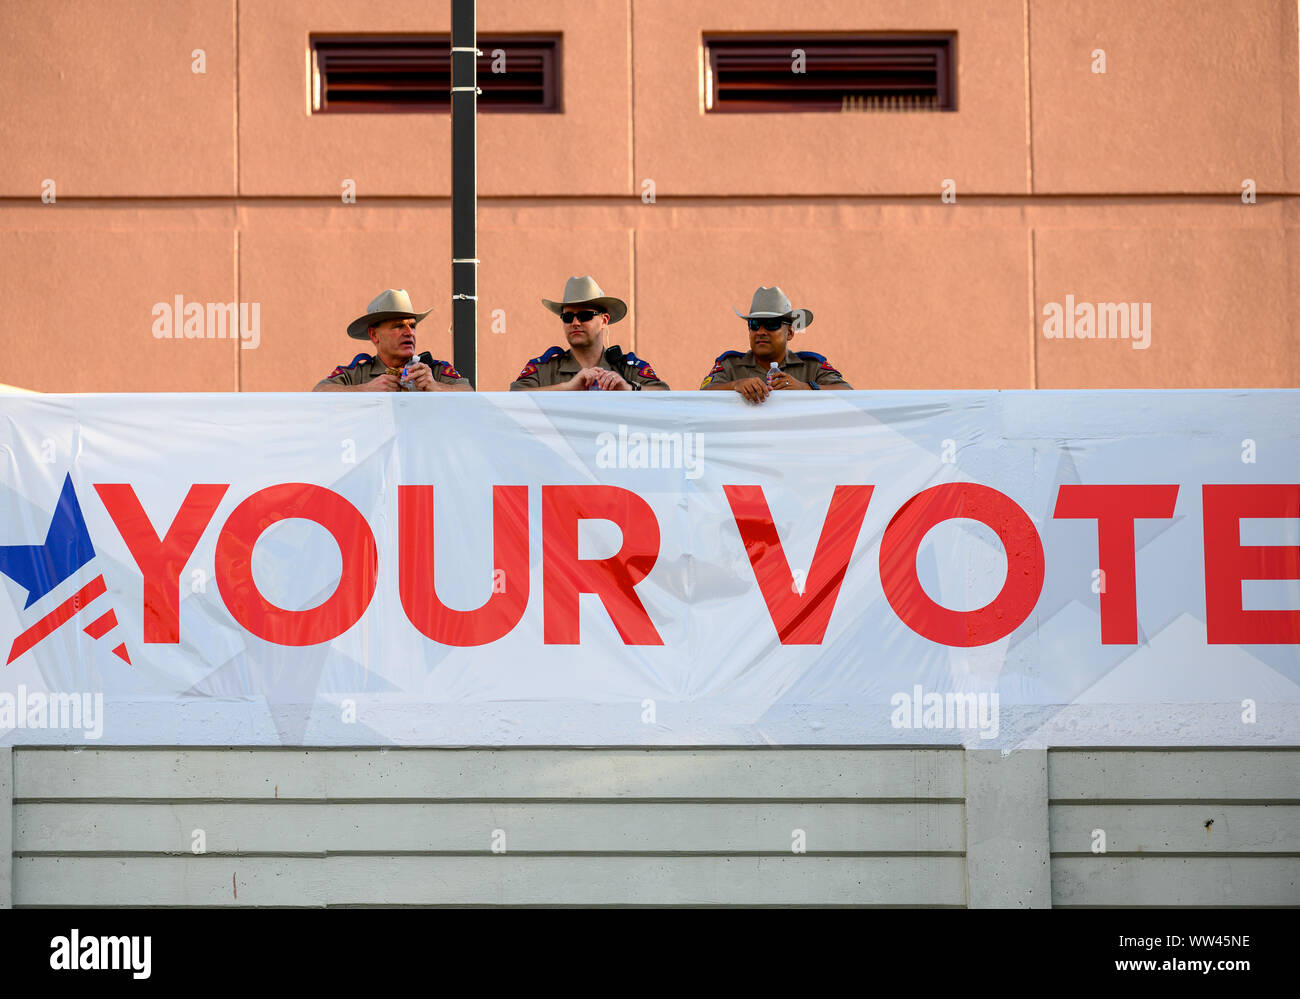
point(804, 365)
point(559, 365)
point(365, 368)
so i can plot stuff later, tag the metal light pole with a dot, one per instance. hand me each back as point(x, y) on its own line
point(464, 188)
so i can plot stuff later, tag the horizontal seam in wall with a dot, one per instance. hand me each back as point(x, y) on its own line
point(326, 854)
point(550, 905)
point(1199, 855)
point(663, 905)
point(388, 750)
point(1192, 906)
point(1166, 801)
point(629, 800)
point(638, 748)
point(1228, 198)
point(1060, 750)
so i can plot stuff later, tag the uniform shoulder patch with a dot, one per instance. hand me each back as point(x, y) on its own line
point(643, 367)
point(550, 355)
point(718, 367)
point(447, 368)
point(809, 355)
point(531, 367)
point(349, 366)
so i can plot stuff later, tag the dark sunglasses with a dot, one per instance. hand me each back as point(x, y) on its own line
point(771, 325)
point(583, 316)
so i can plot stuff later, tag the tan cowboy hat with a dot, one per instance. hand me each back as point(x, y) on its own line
point(770, 303)
point(585, 291)
point(394, 303)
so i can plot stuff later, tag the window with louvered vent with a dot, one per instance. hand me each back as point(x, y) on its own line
point(413, 73)
point(839, 73)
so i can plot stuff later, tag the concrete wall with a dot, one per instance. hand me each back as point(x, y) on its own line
point(1122, 186)
point(910, 827)
point(1185, 827)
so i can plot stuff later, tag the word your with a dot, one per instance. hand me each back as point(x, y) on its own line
point(1103, 321)
point(181, 320)
point(77, 953)
point(40, 710)
point(952, 710)
point(653, 450)
point(161, 544)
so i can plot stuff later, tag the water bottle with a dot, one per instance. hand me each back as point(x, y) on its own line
point(408, 386)
point(772, 369)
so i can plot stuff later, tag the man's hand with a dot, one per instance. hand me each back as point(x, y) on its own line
point(781, 380)
point(752, 389)
point(583, 379)
point(420, 375)
point(384, 383)
point(611, 381)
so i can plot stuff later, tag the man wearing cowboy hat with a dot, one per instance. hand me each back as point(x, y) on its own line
point(389, 323)
point(586, 311)
point(771, 325)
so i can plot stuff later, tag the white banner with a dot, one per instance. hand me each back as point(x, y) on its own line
point(980, 568)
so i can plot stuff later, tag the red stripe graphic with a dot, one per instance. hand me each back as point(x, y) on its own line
point(120, 652)
point(59, 616)
point(102, 625)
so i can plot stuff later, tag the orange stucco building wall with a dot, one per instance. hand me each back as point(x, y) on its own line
point(221, 187)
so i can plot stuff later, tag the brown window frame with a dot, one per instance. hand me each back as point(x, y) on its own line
point(776, 48)
point(435, 47)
